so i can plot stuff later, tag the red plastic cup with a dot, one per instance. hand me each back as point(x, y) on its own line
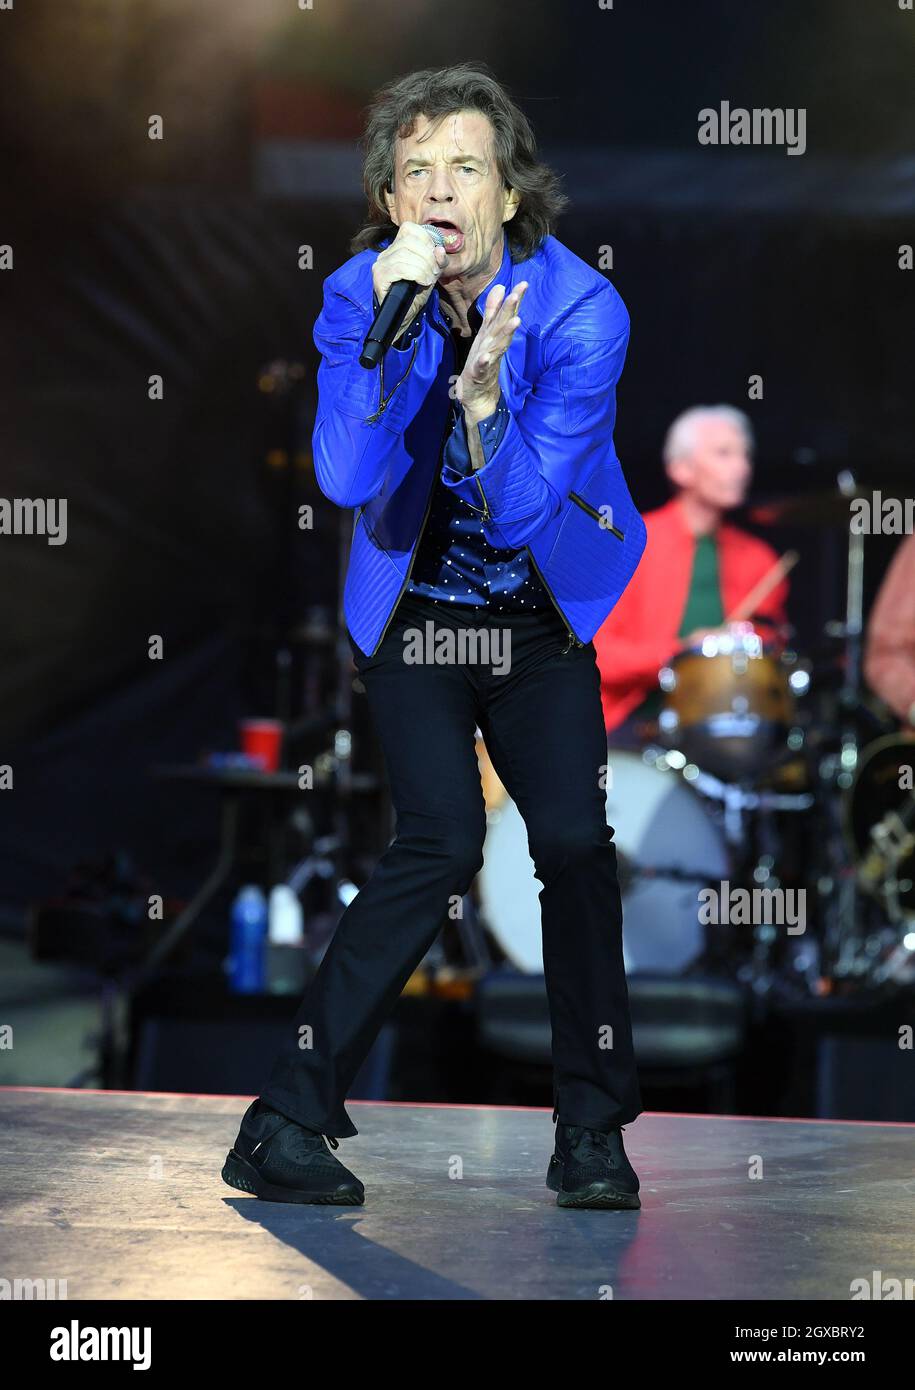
point(261, 740)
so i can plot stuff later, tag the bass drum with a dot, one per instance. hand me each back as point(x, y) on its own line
point(668, 849)
point(879, 819)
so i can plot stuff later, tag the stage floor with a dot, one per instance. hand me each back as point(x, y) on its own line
point(120, 1194)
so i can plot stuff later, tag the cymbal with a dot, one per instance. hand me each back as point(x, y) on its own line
point(826, 508)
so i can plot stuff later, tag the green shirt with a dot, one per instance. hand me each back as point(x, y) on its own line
point(703, 608)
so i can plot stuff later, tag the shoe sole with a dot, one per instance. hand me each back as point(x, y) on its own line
point(598, 1195)
point(240, 1174)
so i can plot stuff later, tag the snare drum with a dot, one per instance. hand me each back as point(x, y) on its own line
point(728, 706)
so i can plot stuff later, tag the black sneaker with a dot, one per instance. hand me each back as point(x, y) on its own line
point(590, 1169)
point(279, 1160)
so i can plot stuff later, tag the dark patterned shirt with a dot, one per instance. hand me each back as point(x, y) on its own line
point(455, 563)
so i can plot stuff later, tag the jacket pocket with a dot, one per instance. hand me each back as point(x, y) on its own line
point(598, 516)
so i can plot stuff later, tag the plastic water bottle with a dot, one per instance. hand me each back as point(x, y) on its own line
point(285, 916)
point(248, 941)
point(286, 955)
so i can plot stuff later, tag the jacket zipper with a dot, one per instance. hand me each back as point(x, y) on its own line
point(486, 513)
point(422, 528)
point(385, 399)
point(573, 640)
point(592, 511)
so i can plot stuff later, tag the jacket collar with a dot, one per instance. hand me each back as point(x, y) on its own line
point(503, 276)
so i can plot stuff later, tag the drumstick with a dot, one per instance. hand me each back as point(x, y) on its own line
point(765, 586)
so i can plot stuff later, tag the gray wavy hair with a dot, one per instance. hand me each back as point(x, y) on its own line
point(681, 436)
point(437, 92)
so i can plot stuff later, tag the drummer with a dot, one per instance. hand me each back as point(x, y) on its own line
point(695, 571)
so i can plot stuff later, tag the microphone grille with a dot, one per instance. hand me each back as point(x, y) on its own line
point(435, 233)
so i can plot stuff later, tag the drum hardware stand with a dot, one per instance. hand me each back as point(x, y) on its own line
point(758, 867)
point(739, 803)
point(837, 881)
point(328, 854)
point(322, 862)
point(892, 842)
point(841, 900)
point(736, 799)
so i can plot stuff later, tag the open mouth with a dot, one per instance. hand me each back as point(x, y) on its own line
point(454, 237)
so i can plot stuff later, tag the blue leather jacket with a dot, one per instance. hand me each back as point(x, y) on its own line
point(553, 485)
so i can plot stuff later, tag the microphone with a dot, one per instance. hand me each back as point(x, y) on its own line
point(393, 311)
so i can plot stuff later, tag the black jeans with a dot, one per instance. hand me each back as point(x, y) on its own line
point(544, 731)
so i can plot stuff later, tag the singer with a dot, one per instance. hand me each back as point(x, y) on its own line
point(479, 460)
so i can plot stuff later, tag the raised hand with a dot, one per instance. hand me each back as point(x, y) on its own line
point(478, 385)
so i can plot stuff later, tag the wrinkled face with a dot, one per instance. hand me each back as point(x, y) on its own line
point(718, 469)
point(446, 172)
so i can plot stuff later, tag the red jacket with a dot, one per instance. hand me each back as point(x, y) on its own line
point(641, 634)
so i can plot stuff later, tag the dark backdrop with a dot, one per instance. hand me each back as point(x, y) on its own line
point(180, 258)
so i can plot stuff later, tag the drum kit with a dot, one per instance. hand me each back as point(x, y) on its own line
point(756, 775)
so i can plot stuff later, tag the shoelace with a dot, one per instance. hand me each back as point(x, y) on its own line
point(301, 1135)
point(303, 1141)
point(592, 1143)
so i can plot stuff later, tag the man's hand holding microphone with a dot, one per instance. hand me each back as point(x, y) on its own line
point(415, 256)
point(412, 255)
